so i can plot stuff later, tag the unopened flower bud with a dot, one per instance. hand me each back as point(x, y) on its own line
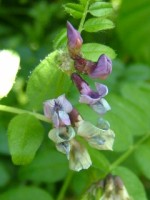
point(102, 69)
point(74, 40)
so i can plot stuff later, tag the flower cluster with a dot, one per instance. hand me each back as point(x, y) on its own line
point(67, 122)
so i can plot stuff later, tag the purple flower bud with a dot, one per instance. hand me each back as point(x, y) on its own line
point(74, 40)
point(57, 110)
point(102, 69)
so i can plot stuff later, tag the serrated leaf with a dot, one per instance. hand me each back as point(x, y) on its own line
point(25, 135)
point(61, 39)
point(101, 9)
point(76, 10)
point(132, 183)
point(143, 159)
point(98, 24)
point(47, 81)
point(48, 167)
point(25, 193)
point(92, 51)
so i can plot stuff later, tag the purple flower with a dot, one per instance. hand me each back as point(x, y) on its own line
point(102, 68)
point(57, 110)
point(74, 40)
point(93, 98)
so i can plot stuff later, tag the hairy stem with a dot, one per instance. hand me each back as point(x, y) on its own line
point(128, 153)
point(63, 190)
point(14, 110)
point(84, 16)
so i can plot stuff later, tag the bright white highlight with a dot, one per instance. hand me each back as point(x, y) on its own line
point(9, 66)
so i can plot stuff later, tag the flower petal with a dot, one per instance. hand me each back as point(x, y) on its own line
point(101, 106)
point(55, 120)
point(101, 89)
point(64, 147)
point(88, 100)
point(79, 157)
point(66, 105)
point(64, 118)
point(48, 108)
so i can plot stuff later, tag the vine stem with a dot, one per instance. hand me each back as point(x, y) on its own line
point(14, 110)
point(65, 185)
point(84, 16)
point(127, 153)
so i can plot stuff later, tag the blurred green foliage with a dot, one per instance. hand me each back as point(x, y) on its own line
point(33, 30)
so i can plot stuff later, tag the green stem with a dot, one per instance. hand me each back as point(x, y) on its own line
point(63, 190)
point(127, 153)
point(21, 111)
point(83, 16)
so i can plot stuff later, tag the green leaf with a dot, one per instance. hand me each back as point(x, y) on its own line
point(129, 113)
point(75, 10)
point(132, 183)
point(83, 2)
point(25, 193)
point(9, 66)
point(92, 51)
point(137, 72)
point(48, 166)
point(101, 9)
point(60, 39)
point(143, 159)
point(25, 135)
point(98, 24)
point(3, 141)
point(133, 28)
point(47, 81)
point(99, 161)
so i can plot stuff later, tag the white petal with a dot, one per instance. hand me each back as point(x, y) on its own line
point(64, 117)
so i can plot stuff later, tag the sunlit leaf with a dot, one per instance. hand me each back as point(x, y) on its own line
point(101, 9)
point(132, 183)
point(76, 10)
point(47, 81)
point(92, 51)
point(5, 177)
point(48, 166)
point(9, 66)
point(98, 24)
point(25, 193)
point(25, 134)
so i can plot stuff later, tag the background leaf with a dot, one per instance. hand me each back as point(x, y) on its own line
point(98, 24)
point(25, 193)
point(133, 28)
point(75, 10)
point(101, 9)
point(49, 166)
point(25, 135)
point(47, 81)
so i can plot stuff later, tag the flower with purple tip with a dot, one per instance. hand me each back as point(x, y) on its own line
point(93, 98)
point(102, 68)
point(57, 110)
point(74, 40)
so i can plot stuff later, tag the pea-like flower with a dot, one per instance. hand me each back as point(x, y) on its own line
point(57, 110)
point(102, 68)
point(90, 97)
point(97, 138)
point(74, 40)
